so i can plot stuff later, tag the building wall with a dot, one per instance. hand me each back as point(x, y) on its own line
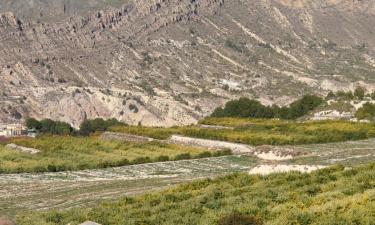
point(11, 130)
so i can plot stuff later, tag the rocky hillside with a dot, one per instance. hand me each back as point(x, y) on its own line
point(168, 62)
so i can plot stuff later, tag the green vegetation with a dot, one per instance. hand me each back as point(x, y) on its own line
point(48, 126)
point(340, 106)
point(366, 112)
point(247, 108)
point(60, 153)
point(87, 127)
point(358, 94)
point(239, 219)
point(261, 132)
point(331, 196)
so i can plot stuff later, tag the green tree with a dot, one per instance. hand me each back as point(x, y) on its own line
point(330, 95)
point(47, 126)
point(90, 126)
point(304, 105)
point(85, 129)
point(32, 123)
point(367, 111)
point(247, 108)
point(359, 93)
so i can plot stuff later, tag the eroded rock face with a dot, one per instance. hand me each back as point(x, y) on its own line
point(170, 62)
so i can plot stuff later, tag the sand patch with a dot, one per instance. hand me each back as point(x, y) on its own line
point(276, 153)
point(268, 169)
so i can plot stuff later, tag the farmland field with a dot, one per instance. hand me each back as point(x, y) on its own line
point(86, 188)
point(261, 132)
point(326, 197)
point(88, 170)
point(61, 153)
point(70, 189)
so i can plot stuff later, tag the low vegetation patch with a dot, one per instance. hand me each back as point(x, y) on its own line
point(330, 196)
point(61, 153)
point(261, 132)
point(366, 112)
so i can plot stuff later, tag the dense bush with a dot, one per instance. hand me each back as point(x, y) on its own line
point(91, 126)
point(330, 196)
point(244, 107)
point(48, 126)
point(367, 111)
point(247, 108)
point(87, 127)
point(300, 107)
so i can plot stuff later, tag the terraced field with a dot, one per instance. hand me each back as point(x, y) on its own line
point(70, 189)
point(346, 153)
point(257, 132)
point(64, 153)
point(85, 188)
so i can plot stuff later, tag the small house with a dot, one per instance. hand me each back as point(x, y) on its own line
point(12, 130)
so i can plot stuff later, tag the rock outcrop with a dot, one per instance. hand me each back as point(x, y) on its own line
point(170, 62)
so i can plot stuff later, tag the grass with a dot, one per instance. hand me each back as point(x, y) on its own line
point(261, 132)
point(330, 196)
point(61, 153)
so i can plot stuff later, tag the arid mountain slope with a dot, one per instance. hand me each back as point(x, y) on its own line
point(167, 62)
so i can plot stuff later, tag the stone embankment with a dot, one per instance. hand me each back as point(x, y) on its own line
point(214, 127)
point(211, 144)
point(125, 137)
point(269, 153)
point(23, 149)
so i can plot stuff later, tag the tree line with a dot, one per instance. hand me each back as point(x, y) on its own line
point(247, 108)
point(87, 127)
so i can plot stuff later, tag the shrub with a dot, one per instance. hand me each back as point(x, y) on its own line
point(162, 158)
point(32, 123)
point(359, 93)
point(239, 219)
point(91, 126)
point(222, 153)
point(183, 156)
point(204, 155)
point(345, 95)
point(367, 111)
point(142, 160)
point(48, 126)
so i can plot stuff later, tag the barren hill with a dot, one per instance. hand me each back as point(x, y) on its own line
point(167, 62)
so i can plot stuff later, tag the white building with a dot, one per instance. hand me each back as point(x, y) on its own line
point(11, 130)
